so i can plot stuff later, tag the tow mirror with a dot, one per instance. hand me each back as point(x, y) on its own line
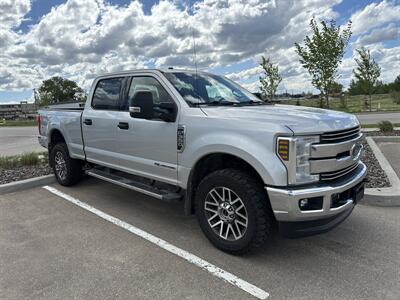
point(165, 111)
point(141, 106)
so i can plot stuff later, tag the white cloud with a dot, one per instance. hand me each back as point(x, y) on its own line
point(389, 32)
point(80, 39)
point(375, 15)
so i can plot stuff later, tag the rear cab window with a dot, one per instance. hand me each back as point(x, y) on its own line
point(107, 95)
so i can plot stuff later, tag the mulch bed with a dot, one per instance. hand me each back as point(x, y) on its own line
point(379, 133)
point(23, 172)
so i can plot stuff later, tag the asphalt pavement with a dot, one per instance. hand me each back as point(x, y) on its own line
point(53, 249)
point(18, 140)
point(375, 118)
point(392, 152)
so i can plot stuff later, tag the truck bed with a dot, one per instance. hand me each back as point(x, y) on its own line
point(65, 119)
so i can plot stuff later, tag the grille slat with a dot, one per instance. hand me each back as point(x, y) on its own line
point(340, 135)
point(336, 174)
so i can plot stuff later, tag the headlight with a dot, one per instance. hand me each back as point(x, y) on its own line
point(295, 154)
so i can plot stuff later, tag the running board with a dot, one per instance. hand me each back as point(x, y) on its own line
point(135, 185)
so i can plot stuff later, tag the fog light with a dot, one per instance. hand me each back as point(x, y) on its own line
point(313, 203)
point(303, 203)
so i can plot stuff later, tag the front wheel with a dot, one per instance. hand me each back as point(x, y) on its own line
point(67, 170)
point(232, 211)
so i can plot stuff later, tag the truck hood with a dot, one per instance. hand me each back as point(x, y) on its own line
point(299, 119)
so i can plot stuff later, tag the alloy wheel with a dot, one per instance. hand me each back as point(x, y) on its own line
point(226, 213)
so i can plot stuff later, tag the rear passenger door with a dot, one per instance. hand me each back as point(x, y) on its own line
point(99, 123)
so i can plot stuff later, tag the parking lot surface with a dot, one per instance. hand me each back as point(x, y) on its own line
point(391, 152)
point(51, 248)
point(18, 140)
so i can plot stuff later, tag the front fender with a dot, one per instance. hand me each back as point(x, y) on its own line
point(259, 153)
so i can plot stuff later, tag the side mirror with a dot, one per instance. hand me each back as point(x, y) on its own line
point(165, 111)
point(141, 106)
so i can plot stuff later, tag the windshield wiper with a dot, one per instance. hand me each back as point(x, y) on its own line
point(252, 102)
point(219, 103)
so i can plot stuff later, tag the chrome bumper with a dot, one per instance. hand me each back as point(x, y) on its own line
point(285, 201)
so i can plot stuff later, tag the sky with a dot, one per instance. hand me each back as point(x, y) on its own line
point(80, 39)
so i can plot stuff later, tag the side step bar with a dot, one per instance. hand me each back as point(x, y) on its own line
point(135, 185)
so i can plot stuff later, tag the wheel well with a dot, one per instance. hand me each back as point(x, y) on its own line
point(55, 138)
point(211, 163)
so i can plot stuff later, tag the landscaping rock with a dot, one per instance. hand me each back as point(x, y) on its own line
point(23, 172)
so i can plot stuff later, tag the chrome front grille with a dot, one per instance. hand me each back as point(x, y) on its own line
point(340, 135)
point(338, 153)
point(327, 176)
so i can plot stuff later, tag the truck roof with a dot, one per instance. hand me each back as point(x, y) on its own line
point(169, 70)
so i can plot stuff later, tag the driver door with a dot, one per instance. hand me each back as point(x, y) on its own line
point(147, 147)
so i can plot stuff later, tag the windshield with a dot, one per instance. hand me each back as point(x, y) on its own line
point(209, 89)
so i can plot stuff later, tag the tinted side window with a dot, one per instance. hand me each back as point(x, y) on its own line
point(140, 84)
point(106, 94)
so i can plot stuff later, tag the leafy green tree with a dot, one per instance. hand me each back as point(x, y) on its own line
point(396, 84)
point(270, 79)
point(58, 90)
point(336, 88)
point(367, 72)
point(322, 53)
point(355, 88)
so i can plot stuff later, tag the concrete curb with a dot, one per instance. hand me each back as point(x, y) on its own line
point(26, 184)
point(389, 196)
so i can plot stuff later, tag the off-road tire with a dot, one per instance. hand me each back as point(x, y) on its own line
point(73, 167)
point(256, 204)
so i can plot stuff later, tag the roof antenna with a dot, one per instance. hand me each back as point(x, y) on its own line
point(195, 66)
point(194, 51)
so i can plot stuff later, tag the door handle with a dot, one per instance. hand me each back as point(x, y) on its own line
point(88, 121)
point(123, 125)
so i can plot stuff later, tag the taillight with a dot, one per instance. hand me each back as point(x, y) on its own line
point(38, 123)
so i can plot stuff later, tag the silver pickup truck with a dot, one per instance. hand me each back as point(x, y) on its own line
point(241, 165)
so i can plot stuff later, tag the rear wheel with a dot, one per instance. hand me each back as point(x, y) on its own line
point(67, 170)
point(232, 211)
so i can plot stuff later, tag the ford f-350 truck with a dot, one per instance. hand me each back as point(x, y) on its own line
point(240, 164)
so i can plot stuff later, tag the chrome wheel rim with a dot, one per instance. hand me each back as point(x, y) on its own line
point(226, 213)
point(60, 165)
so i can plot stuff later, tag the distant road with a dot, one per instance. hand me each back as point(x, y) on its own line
point(18, 140)
point(374, 118)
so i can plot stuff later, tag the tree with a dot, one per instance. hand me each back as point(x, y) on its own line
point(367, 72)
point(58, 90)
point(322, 53)
point(355, 88)
point(396, 84)
point(336, 88)
point(270, 79)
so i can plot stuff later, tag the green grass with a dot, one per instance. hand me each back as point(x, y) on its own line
point(26, 159)
point(9, 123)
point(354, 104)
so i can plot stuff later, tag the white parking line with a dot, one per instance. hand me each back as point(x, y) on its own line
point(203, 264)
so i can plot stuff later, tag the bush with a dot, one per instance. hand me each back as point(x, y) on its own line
point(8, 162)
point(385, 126)
point(26, 159)
point(29, 159)
point(396, 97)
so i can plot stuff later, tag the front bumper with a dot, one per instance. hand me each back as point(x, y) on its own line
point(285, 202)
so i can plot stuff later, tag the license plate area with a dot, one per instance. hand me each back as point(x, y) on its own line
point(356, 193)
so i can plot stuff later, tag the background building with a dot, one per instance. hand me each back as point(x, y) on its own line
point(22, 110)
